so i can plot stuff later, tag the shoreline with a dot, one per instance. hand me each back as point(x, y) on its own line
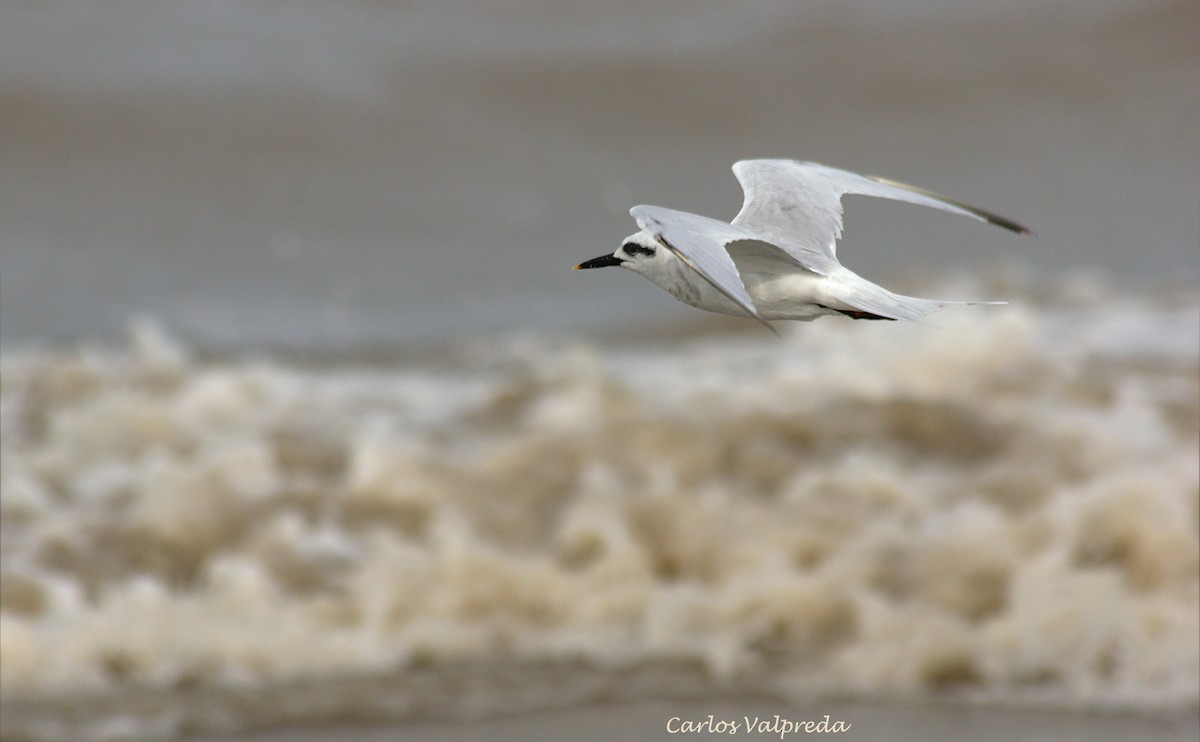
point(647, 720)
point(511, 700)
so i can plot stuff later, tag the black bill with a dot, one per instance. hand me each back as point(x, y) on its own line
point(603, 261)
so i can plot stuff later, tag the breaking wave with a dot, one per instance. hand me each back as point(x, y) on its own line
point(1003, 507)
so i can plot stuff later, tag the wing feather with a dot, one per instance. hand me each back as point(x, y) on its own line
point(798, 205)
point(699, 242)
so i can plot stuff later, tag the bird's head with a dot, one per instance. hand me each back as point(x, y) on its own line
point(640, 253)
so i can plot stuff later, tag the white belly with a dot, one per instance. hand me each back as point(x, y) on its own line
point(795, 296)
point(792, 296)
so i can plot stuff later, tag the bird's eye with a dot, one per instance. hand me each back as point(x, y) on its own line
point(632, 248)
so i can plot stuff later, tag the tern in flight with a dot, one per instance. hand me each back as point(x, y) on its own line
point(777, 259)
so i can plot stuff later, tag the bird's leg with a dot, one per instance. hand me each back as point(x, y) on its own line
point(858, 313)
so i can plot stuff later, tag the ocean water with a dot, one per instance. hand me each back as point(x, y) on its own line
point(1001, 507)
point(305, 421)
point(295, 175)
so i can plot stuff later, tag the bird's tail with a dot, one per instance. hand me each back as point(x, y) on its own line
point(876, 300)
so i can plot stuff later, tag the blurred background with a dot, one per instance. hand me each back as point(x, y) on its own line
point(367, 174)
point(207, 529)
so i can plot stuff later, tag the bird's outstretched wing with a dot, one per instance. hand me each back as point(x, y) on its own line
point(798, 205)
point(699, 243)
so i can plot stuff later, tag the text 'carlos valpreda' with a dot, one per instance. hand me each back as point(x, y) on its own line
point(773, 725)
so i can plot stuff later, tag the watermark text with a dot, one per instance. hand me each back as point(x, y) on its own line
point(776, 725)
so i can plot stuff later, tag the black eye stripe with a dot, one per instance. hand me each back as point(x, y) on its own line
point(632, 248)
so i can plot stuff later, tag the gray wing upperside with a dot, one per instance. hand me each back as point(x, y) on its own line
point(798, 205)
point(700, 243)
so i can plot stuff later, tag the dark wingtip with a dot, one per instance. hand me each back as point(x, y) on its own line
point(986, 216)
point(1008, 224)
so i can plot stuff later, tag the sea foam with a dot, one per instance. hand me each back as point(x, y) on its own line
point(1001, 507)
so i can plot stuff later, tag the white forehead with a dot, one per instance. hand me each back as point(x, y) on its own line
point(643, 238)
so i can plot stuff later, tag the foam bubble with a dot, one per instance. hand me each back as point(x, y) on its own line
point(1003, 507)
